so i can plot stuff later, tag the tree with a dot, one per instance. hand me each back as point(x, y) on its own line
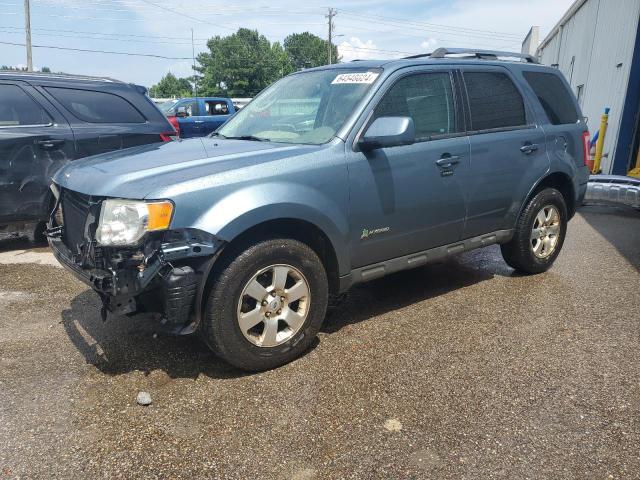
point(241, 64)
point(23, 69)
point(306, 50)
point(171, 86)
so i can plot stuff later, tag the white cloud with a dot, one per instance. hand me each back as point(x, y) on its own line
point(428, 44)
point(355, 48)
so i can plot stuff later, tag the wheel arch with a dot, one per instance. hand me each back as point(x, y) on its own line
point(561, 182)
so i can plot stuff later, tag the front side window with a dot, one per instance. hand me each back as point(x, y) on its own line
point(554, 96)
point(308, 107)
point(190, 108)
point(19, 109)
point(427, 98)
point(96, 107)
point(494, 101)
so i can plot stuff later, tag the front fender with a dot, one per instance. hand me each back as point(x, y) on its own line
point(245, 208)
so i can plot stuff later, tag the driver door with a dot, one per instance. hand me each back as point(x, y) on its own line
point(188, 113)
point(404, 199)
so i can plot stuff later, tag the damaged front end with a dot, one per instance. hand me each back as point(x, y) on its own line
point(161, 273)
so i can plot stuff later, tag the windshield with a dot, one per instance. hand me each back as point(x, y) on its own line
point(167, 107)
point(307, 107)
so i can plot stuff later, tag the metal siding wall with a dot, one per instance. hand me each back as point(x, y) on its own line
point(601, 34)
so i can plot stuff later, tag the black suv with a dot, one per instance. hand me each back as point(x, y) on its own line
point(48, 120)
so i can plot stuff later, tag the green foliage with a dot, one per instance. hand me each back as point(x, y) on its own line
point(306, 50)
point(23, 69)
point(171, 86)
point(241, 64)
point(244, 63)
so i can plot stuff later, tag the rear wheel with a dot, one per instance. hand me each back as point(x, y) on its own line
point(266, 304)
point(539, 233)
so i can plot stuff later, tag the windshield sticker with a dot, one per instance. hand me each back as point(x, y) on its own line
point(359, 77)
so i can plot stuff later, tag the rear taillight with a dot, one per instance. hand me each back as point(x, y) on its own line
point(173, 120)
point(586, 147)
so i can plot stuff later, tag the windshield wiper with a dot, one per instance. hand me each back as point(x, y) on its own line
point(252, 138)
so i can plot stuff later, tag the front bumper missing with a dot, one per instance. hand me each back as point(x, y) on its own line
point(613, 190)
point(168, 281)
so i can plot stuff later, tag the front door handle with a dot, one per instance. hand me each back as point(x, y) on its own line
point(448, 161)
point(198, 121)
point(50, 144)
point(528, 148)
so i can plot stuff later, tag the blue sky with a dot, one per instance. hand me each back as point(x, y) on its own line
point(366, 29)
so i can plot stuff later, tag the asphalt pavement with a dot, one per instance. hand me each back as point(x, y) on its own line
point(460, 369)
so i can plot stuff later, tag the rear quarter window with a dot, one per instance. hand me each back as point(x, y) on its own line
point(494, 101)
point(96, 107)
point(554, 96)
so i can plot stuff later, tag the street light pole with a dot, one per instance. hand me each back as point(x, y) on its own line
point(27, 29)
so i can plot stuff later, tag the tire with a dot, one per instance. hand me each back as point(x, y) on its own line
point(534, 251)
point(37, 235)
point(297, 322)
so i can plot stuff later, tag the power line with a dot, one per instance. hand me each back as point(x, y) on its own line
point(245, 60)
point(436, 25)
point(97, 51)
point(425, 30)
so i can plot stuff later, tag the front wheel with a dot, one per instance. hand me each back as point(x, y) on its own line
point(539, 233)
point(266, 305)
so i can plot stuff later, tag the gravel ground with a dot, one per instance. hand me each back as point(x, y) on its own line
point(455, 370)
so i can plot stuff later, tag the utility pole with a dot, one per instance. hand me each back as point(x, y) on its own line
point(332, 13)
point(27, 29)
point(193, 56)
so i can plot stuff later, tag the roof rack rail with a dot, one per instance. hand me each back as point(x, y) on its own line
point(74, 76)
point(474, 53)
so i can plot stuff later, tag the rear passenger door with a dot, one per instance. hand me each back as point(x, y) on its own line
point(35, 141)
point(508, 149)
point(101, 121)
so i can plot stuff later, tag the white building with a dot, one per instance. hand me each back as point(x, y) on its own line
point(596, 44)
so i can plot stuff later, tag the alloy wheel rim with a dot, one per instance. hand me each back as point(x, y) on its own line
point(274, 305)
point(545, 232)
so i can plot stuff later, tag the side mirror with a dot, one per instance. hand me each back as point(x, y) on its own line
point(388, 132)
point(181, 112)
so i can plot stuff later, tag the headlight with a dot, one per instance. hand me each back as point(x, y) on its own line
point(124, 222)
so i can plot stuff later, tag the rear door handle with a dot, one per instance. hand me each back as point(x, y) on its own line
point(448, 161)
point(528, 148)
point(50, 143)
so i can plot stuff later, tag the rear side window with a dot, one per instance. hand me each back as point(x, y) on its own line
point(554, 97)
point(96, 107)
point(216, 107)
point(494, 100)
point(427, 98)
point(19, 109)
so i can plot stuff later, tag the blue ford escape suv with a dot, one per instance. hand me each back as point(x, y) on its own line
point(330, 177)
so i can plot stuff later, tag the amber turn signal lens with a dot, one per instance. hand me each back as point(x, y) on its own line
point(159, 215)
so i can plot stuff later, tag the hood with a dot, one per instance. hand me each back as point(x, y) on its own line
point(136, 172)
